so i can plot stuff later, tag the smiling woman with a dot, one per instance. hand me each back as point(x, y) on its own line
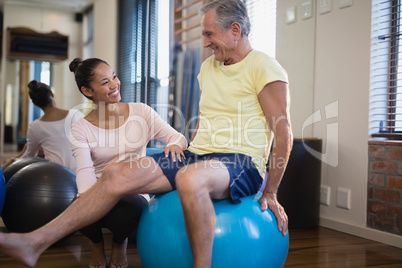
point(111, 132)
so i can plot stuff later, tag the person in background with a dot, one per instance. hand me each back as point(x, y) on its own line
point(48, 136)
point(226, 159)
point(113, 132)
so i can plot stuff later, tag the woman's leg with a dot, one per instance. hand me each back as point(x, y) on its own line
point(123, 220)
point(94, 233)
point(118, 180)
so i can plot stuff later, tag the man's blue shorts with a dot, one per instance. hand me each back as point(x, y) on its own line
point(245, 179)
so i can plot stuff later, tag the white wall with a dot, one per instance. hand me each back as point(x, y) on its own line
point(342, 74)
point(328, 61)
point(295, 50)
point(105, 31)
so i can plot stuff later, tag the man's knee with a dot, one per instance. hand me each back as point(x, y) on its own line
point(188, 181)
point(112, 176)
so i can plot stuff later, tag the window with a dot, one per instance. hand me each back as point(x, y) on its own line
point(133, 36)
point(262, 16)
point(386, 70)
point(143, 52)
point(42, 71)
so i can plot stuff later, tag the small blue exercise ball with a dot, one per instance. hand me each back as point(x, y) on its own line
point(151, 151)
point(2, 190)
point(245, 236)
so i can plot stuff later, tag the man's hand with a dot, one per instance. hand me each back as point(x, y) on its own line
point(175, 150)
point(269, 200)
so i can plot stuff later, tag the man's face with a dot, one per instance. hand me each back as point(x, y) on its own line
point(221, 43)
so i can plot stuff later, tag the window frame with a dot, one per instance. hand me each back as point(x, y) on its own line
point(390, 131)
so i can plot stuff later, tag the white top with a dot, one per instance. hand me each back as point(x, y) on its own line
point(94, 147)
point(52, 137)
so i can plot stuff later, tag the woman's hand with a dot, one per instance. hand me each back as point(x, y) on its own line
point(175, 150)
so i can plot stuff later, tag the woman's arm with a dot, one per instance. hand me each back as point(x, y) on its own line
point(85, 172)
point(15, 158)
point(32, 145)
point(160, 130)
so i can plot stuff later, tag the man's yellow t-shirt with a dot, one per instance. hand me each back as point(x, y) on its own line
point(231, 118)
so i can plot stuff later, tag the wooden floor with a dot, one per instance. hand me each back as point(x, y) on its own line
point(307, 248)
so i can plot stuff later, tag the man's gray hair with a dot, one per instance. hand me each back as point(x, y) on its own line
point(227, 12)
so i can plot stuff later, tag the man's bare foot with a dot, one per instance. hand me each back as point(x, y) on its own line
point(98, 257)
point(119, 255)
point(21, 247)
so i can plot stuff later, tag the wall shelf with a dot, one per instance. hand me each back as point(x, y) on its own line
point(27, 44)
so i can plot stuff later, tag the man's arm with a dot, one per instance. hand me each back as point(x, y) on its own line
point(198, 123)
point(196, 127)
point(275, 102)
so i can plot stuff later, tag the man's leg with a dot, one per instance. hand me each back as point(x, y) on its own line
point(196, 185)
point(118, 180)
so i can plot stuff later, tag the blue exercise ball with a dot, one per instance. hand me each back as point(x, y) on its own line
point(2, 190)
point(37, 194)
point(151, 151)
point(245, 236)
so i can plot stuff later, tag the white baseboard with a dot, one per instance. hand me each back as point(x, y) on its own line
point(362, 231)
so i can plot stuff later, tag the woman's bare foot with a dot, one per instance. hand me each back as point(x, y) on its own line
point(119, 255)
point(21, 247)
point(98, 257)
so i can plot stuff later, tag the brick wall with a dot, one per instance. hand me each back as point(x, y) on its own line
point(384, 192)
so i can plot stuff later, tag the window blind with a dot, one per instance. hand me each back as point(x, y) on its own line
point(262, 16)
point(126, 27)
point(385, 115)
point(137, 50)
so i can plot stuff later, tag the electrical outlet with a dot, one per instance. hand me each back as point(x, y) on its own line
point(325, 6)
point(343, 198)
point(345, 3)
point(307, 9)
point(324, 195)
point(291, 15)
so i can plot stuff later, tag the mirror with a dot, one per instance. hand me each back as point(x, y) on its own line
point(19, 111)
point(15, 108)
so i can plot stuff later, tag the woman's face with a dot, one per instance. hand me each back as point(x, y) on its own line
point(105, 85)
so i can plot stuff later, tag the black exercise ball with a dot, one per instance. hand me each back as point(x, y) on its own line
point(20, 163)
point(36, 194)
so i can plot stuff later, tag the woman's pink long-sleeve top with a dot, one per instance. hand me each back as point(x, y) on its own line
point(95, 147)
point(53, 137)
